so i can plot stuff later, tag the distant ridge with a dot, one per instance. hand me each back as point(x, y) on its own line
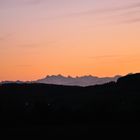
point(87, 80)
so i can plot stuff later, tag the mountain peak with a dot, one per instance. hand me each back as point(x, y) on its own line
point(86, 80)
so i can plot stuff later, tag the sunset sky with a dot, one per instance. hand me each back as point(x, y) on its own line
point(68, 37)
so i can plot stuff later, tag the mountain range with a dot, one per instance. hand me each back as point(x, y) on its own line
point(88, 80)
point(77, 81)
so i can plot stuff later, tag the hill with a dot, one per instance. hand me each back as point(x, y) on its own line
point(46, 105)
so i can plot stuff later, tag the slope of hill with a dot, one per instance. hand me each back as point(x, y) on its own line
point(48, 105)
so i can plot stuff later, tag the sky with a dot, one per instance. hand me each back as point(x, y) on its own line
point(68, 37)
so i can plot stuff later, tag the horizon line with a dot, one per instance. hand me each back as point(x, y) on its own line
point(65, 76)
point(69, 76)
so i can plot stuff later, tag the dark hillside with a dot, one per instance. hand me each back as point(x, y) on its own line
point(48, 105)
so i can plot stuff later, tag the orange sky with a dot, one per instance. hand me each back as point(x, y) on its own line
point(81, 37)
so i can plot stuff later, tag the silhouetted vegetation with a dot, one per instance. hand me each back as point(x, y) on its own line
point(41, 104)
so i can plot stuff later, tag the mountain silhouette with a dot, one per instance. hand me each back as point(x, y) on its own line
point(77, 81)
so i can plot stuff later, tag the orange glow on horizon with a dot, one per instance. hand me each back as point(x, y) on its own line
point(68, 43)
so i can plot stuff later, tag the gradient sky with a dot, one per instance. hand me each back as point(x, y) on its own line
point(69, 37)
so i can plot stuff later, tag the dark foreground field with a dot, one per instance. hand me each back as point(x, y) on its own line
point(51, 110)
